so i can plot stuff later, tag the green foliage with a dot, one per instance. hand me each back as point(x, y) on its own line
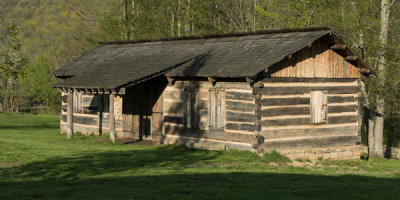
point(274, 156)
point(37, 84)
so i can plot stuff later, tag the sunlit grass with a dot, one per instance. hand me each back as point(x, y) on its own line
point(37, 162)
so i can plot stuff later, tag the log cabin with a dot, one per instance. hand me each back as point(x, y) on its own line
point(295, 91)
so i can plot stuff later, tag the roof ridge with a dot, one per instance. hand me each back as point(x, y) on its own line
point(237, 34)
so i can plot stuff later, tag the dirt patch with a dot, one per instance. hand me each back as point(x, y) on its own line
point(7, 165)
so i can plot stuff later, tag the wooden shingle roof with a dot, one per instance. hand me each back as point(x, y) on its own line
point(118, 64)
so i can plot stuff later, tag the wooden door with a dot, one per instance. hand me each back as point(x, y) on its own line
point(143, 112)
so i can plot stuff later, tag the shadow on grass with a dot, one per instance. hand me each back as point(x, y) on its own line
point(30, 127)
point(97, 163)
point(75, 178)
point(208, 186)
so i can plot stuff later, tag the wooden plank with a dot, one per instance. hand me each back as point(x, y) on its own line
point(274, 134)
point(319, 101)
point(313, 142)
point(212, 108)
point(220, 109)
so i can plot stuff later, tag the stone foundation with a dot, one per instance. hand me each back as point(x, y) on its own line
point(336, 152)
point(393, 153)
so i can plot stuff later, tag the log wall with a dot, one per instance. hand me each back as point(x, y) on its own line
point(286, 117)
point(239, 114)
point(87, 117)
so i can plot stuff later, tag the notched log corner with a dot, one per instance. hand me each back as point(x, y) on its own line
point(258, 140)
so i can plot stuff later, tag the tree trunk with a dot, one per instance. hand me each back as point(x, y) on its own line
point(132, 19)
point(380, 103)
point(369, 123)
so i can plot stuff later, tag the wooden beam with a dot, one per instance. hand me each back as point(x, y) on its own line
point(350, 58)
point(365, 71)
point(290, 56)
point(112, 119)
point(339, 47)
point(70, 128)
point(212, 80)
point(122, 90)
point(171, 81)
point(249, 80)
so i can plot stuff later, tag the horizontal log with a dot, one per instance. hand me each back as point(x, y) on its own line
point(312, 80)
point(90, 121)
point(303, 90)
point(274, 134)
point(240, 106)
point(218, 135)
point(340, 109)
point(338, 99)
point(284, 101)
point(285, 111)
point(339, 47)
point(239, 96)
point(174, 119)
point(173, 107)
point(173, 94)
point(241, 127)
point(316, 142)
point(64, 98)
point(307, 121)
point(350, 58)
point(240, 117)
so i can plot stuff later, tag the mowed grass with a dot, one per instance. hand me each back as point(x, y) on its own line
point(36, 162)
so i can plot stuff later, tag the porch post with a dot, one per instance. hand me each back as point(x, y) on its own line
point(111, 116)
point(70, 109)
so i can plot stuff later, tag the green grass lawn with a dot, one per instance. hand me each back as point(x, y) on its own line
point(37, 162)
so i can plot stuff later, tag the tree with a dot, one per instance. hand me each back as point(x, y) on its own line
point(36, 86)
point(12, 65)
point(377, 148)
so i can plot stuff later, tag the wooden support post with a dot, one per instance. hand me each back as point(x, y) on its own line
point(70, 110)
point(111, 116)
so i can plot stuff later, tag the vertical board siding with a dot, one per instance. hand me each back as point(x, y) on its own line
point(319, 61)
